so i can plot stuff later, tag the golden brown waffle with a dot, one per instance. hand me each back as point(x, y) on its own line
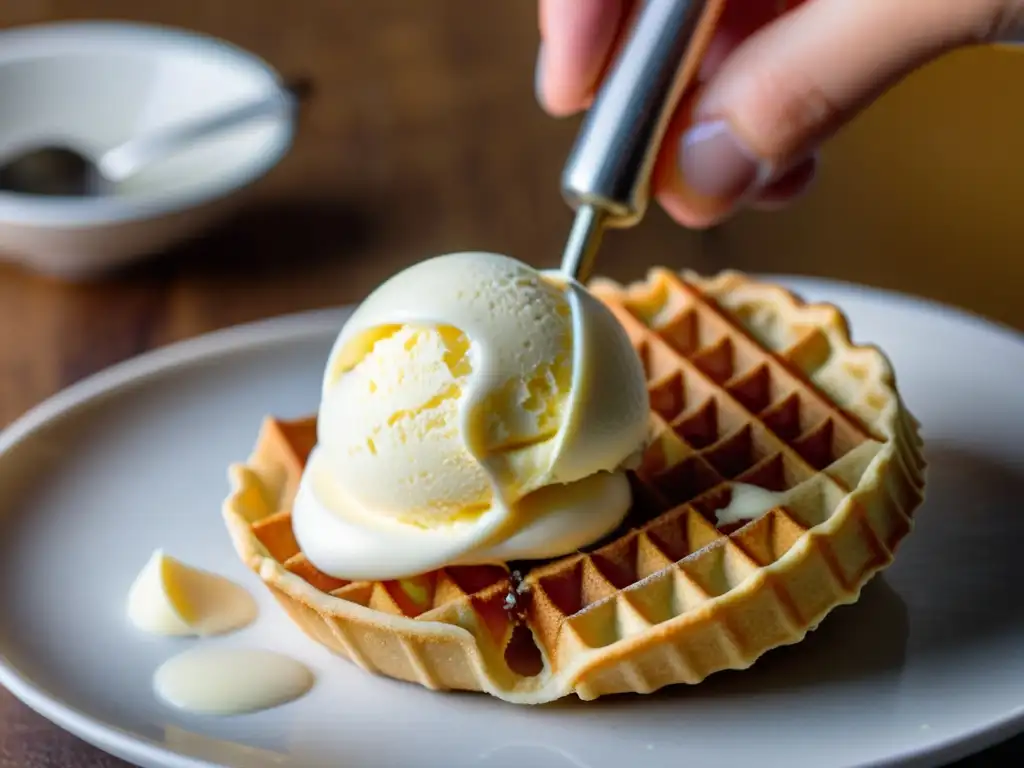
point(747, 384)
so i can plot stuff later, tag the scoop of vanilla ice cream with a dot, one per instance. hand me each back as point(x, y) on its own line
point(409, 409)
point(458, 390)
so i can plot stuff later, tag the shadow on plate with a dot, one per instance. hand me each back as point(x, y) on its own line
point(960, 570)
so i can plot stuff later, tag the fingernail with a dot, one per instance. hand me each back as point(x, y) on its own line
point(538, 76)
point(715, 164)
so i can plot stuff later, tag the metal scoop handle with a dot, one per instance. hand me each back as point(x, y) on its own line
point(608, 172)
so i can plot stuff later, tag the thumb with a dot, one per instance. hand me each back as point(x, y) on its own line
point(795, 82)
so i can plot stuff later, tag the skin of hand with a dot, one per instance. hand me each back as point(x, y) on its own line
point(778, 79)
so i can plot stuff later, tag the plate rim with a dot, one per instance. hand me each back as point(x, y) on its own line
point(96, 731)
point(306, 325)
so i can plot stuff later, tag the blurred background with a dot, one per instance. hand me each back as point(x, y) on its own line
point(420, 135)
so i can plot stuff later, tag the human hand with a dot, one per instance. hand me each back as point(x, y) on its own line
point(779, 78)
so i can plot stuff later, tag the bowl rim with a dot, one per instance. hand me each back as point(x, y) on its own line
point(30, 41)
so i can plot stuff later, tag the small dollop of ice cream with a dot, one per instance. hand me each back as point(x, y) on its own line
point(169, 597)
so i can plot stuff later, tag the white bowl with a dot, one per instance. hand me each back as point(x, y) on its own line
point(95, 84)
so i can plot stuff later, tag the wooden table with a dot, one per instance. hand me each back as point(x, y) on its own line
point(422, 137)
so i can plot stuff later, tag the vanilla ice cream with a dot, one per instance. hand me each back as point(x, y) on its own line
point(169, 597)
point(473, 410)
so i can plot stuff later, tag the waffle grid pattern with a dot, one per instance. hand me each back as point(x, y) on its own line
point(743, 380)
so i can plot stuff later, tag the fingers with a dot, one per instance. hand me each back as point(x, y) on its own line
point(740, 20)
point(577, 37)
point(774, 90)
point(697, 212)
point(793, 83)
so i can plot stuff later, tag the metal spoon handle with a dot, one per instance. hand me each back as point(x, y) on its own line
point(126, 159)
point(609, 168)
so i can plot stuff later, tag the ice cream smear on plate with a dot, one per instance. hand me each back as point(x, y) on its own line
point(474, 410)
point(171, 598)
point(230, 681)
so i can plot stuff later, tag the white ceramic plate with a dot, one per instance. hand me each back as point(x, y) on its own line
point(929, 666)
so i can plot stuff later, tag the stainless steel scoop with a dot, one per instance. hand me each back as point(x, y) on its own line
point(607, 176)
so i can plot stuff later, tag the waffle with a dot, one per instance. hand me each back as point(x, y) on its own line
point(747, 384)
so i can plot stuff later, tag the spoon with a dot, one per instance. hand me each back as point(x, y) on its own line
point(65, 171)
